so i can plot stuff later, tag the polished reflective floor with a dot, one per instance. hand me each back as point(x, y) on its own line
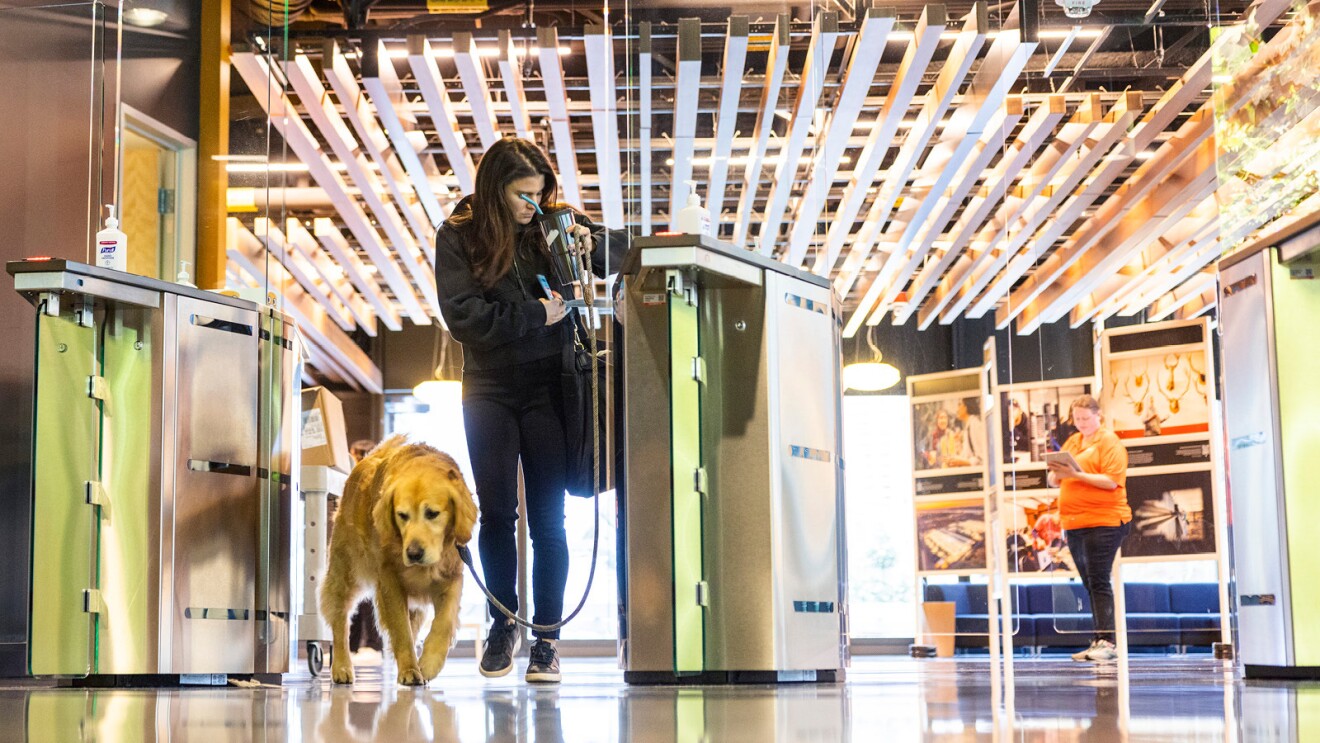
point(884, 699)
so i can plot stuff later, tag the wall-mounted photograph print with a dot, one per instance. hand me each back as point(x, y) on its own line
point(1034, 535)
point(1037, 421)
point(1172, 515)
point(951, 535)
point(1159, 394)
point(948, 433)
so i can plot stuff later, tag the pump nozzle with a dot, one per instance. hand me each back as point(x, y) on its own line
point(110, 221)
point(693, 198)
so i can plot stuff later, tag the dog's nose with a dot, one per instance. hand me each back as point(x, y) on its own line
point(415, 553)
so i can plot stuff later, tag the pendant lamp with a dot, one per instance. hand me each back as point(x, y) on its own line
point(873, 375)
point(443, 386)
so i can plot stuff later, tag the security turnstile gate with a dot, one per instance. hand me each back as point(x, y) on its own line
point(164, 471)
point(732, 552)
point(1268, 304)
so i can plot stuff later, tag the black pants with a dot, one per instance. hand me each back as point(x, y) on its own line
point(510, 414)
point(1093, 550)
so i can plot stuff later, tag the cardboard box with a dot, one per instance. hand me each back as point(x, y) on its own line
point(324, 441)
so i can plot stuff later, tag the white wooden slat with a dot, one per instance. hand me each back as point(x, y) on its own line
point(1105, 242)
point(359, 274)
point(917, 56)
point(334, 277)
point(283, 118)
point(937, 101)
point(381, 81)
point(475, 87)
point(302, 271)
point(1156, 261)
point(511, 73)
point(1196, 295)
point(998, 183)
point(1027, 299)
point(820, 51)
point(990, 144)
point(435, 92)
point(361, 114)
point(726, 118)
point(556, 98)
point(868, 47)
point(599, 42)
point(644, 62)
point(307, 85)
point(776, 64)
point(246, 251)
point(1105, 140)
point(980, 109)
point(686, 94)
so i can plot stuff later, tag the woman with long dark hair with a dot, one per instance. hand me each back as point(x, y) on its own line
point(489, 257)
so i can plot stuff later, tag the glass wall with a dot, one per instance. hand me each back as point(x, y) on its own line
point(877, 446)
point(440, 424)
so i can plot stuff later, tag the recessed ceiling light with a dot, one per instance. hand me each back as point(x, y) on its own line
point(145, 17)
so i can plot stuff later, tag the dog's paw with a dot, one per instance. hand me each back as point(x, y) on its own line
point(432, 663)
point(342, 673)
point(411, 677)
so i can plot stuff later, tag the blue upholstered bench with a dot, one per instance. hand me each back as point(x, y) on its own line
point(1050, 615)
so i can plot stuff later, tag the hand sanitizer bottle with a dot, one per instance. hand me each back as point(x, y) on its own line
point(693, 219)
point(184, 277)
point(112, 244)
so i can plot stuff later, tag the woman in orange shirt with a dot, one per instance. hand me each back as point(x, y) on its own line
point(1095, 513)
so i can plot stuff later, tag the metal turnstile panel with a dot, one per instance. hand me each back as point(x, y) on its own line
point(1250, 404)
point(278, 476)
point(758, 492)
point(217, 503)
point(1254, 492)
point(647, 553)
point(737, 526)
point(804, 452)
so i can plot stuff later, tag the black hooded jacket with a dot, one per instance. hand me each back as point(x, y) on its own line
point(504, 325)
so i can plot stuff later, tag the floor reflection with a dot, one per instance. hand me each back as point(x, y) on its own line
point(1155, 699)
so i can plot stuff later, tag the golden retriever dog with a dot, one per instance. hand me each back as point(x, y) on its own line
point(404, 513)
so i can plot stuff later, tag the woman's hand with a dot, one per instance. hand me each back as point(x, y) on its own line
point(1058, 472)
point(1062, 471)
point(582, 239)
point(554, 309)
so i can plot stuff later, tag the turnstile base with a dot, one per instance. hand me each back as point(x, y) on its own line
point(714, 678)
point(1311, 673)
point(158, 680)
point(13, 660)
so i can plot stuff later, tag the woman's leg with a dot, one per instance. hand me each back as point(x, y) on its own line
point(1101, 546)
point(1078, 544)
point(544, 463)
point(492, 437)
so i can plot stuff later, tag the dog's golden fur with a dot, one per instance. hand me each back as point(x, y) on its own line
point(404, 512)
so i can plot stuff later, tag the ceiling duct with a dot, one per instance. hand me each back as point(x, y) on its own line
point(275, 13)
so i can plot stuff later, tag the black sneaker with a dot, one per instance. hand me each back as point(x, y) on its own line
point(501, 645)
point(544, 665)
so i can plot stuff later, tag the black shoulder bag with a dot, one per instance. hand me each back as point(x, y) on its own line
point(585, 412)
